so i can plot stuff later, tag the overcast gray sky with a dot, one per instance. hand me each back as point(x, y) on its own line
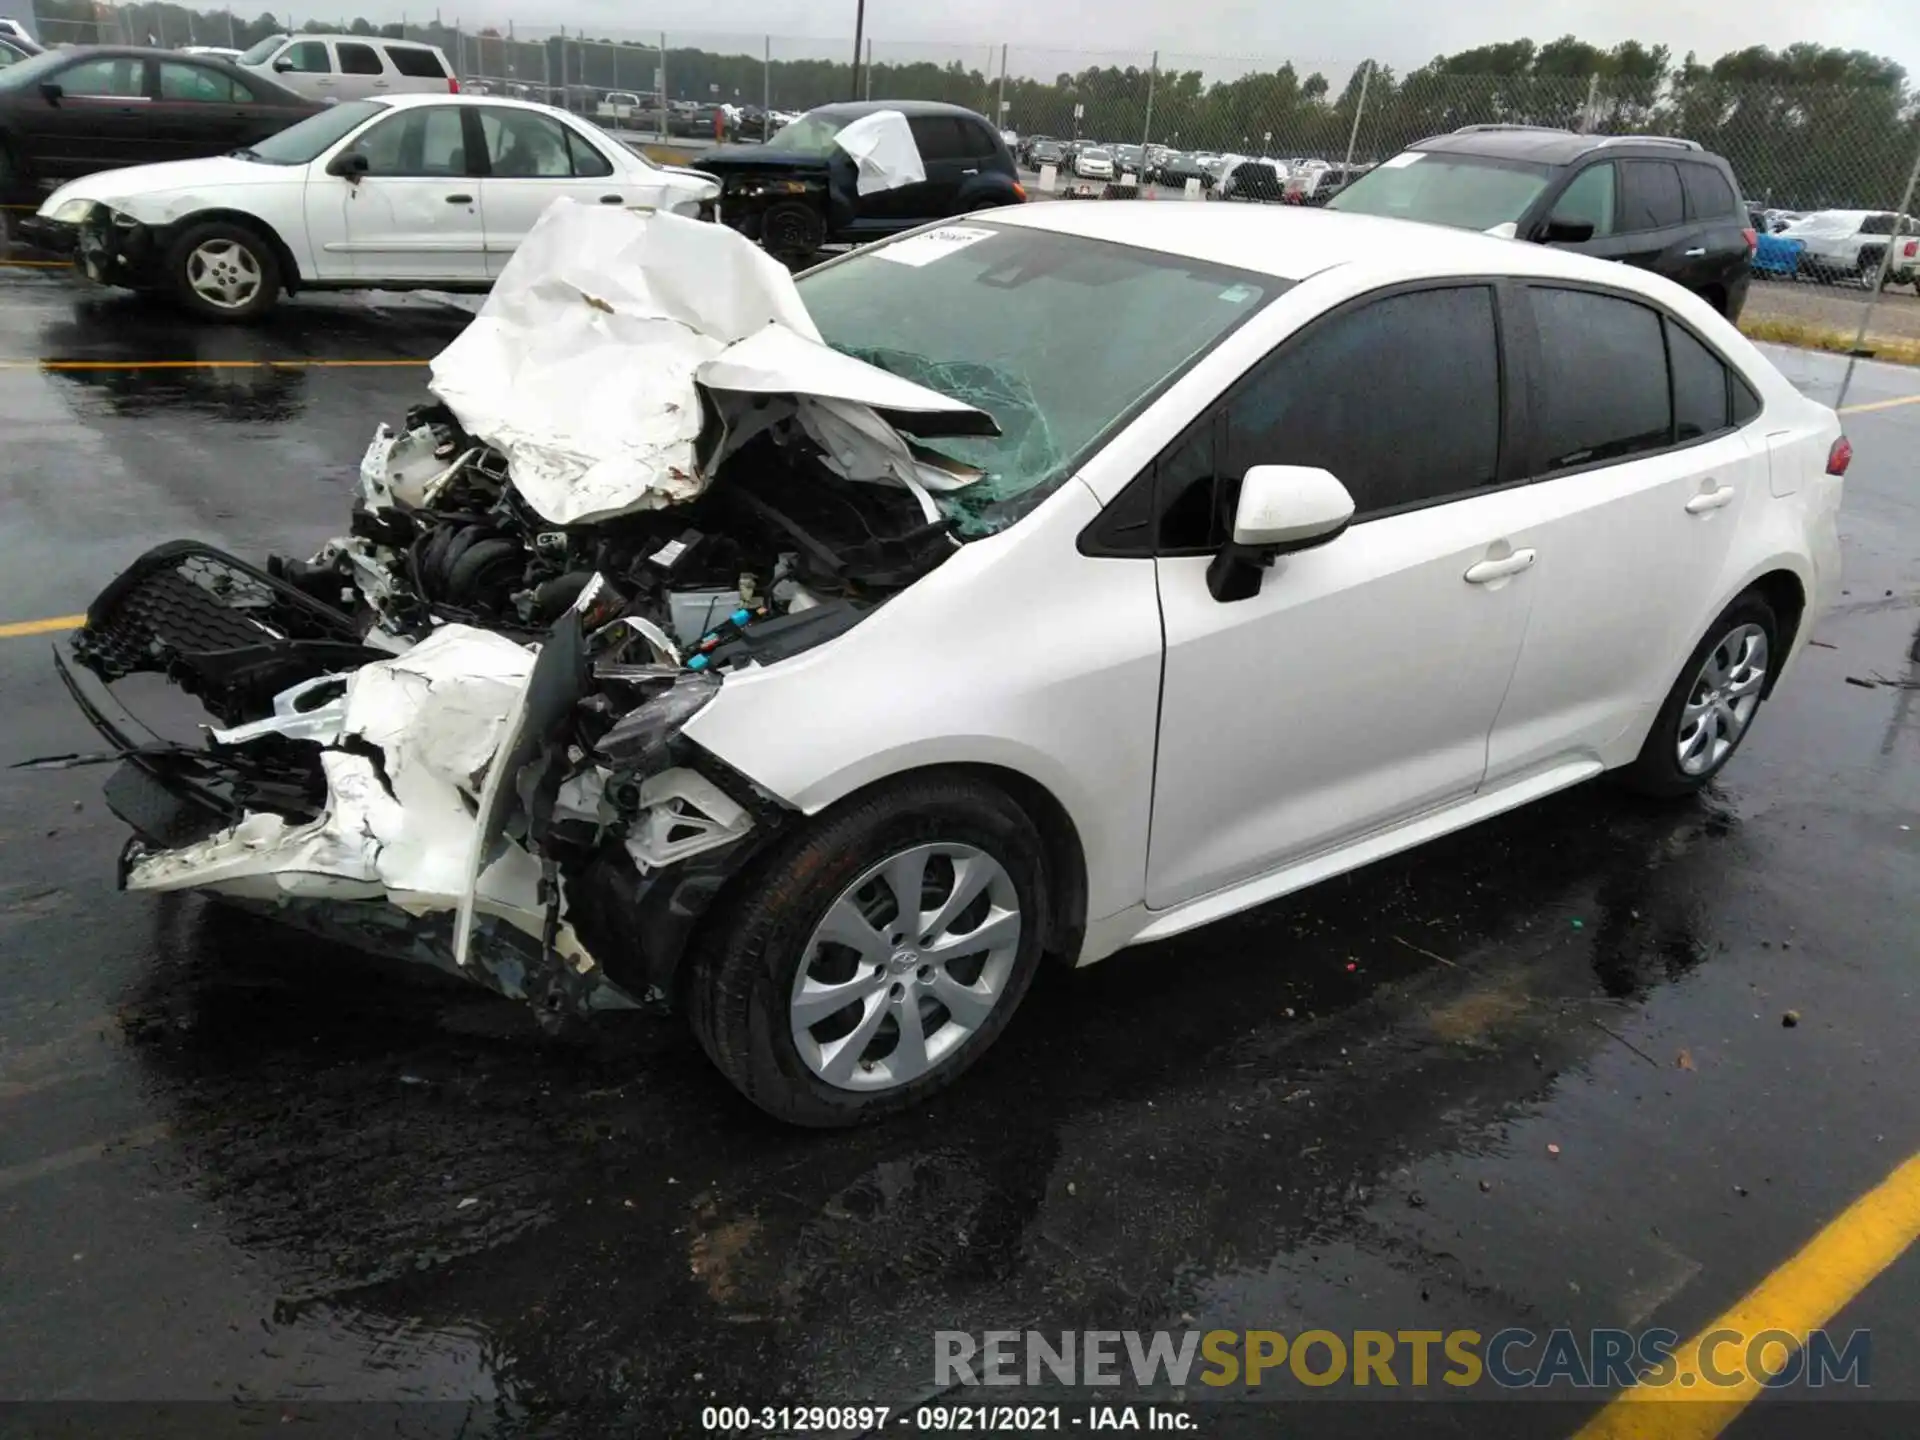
point(1326, 36)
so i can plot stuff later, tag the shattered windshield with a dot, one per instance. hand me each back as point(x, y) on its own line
point(1058, 337)
point(811, 134)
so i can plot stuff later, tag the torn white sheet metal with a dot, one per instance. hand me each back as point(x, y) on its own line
point(583, 366)
point(404, 468)
point(437, 714)
point(883, 147)
point(302, 712)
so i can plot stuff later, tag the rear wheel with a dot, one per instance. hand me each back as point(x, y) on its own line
point(1869, 268)
point(1711, 706)
point(877, 955)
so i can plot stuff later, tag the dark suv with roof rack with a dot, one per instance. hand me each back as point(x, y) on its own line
point(1663, 204)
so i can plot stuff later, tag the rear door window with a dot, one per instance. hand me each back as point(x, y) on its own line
point(1709, 197)
point(416, 61)
point(359, 60)
point(1651, 198)
point(180, 81)
point(938, 137)
point(1599, 391)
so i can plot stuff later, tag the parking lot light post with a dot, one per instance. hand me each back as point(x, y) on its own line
point(859, 35)
point(766, 88)
point(1359, 109)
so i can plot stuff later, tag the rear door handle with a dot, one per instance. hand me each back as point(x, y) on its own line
point(613, 199)
point(1489, 570)
point(1710, 500)
point(459, 199)
point(974, 171)
point(1696, 252)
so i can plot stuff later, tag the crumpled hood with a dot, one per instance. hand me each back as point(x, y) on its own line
point(159, 194)
point(587, 365)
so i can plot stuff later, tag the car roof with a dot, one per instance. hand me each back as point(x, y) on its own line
point(357, 39)
point(1545, 146)
point(1293, 242)
point(854, 109)
point(406, 99)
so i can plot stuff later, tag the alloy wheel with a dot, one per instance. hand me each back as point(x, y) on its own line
point(907, 963)
point(1722, 699)
point(224, 273)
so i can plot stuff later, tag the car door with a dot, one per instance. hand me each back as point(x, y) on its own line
point(306, 66)
point(943, 155)
point(362, 74)
point(1651, 230)
point(531, 160)
point(416, 213)
point(1357, 688)
point(101, 120)
point(1640, 478)
point(200, 111)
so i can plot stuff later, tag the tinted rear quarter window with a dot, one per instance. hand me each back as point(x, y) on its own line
point(1650, 196)
point(1699, 386)
point(1319, 402)
point(416, 61)
point(1600, 384)
point(1709, 196)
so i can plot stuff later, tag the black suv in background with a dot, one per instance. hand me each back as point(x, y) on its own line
point(1665, 205)
point(799, 191)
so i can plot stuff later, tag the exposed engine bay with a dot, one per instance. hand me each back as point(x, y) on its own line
point(453, 733)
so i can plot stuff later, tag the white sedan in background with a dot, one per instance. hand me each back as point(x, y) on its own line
point(415, 191)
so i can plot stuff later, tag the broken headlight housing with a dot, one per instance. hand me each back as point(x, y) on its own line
point(637, 741)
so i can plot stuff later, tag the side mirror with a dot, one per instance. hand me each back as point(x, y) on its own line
point(1281, 508)
point(349, 165)
point(1566, 232)
point(50, 90)
point(284, 65)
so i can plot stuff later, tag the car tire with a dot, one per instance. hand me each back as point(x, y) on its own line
point(837, 875)
point(1867, 271)
point(223, 271)
point(1692, 737)
point(792, 231)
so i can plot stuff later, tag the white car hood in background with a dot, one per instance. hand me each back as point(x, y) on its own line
point(883, 147)
point(160, 194)
point(582, 366)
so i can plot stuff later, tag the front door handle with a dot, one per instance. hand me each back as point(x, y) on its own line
point(1696, 252)
point(1490, 570)
point(974, 171)
point(1710, 500)
point(459, 199)
point(613, 199)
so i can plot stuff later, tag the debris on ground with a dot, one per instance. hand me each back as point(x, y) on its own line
point(1790, 1019)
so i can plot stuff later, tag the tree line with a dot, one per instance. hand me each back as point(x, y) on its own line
point(1805, 127)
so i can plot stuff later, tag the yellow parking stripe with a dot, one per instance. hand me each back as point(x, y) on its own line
point(41, 264)
point(41, 627)
point(1802, 1295)
point(1880, 405)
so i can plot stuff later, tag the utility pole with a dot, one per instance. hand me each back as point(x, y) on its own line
point(766, 89)
point(1146, 131)
point(859, 33)
point(869, 76)
point(1000, 98)
point(1359, 109)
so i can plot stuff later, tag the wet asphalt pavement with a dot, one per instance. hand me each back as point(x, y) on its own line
point(240, 1166)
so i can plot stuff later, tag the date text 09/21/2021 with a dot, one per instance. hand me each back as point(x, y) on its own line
point(937, 1419)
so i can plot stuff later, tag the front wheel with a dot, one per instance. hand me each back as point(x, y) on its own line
point(1711, 706)
point(792, 232)
point(874, 957)
point(222, 271)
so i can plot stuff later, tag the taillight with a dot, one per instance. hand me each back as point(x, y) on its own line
point(1840, 456)
point(1753, 241)
point(453, 86)
point(1019, 191)
point(1912, 249)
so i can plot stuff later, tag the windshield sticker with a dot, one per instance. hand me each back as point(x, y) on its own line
point(927, 248)
point(1402, 160)
point(1238, 294)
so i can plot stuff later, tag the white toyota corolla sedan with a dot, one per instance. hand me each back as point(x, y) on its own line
point(410, 191)
point(1308, 545)
point(1287, 540)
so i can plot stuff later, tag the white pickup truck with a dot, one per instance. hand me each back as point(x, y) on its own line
point(1851, 244)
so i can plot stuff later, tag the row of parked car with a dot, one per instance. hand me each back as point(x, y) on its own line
point(1856, 246)
point(1302, 180)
